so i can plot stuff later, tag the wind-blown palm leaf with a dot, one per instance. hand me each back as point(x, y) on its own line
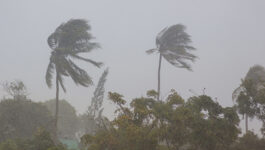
point(173, 43)
point(150, 51)
point(74, 36)
point(85, 46)
point(78, 75)
point(97, 64)
point(60, 79)
point(49, 72)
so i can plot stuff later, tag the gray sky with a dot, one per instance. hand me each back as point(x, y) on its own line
point(229, 36)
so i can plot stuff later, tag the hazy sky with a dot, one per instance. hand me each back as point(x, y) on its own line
point(229, 36)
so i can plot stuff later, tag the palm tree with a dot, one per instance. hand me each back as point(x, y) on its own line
point(173, 44)
point(246, 95)
point(67, 42)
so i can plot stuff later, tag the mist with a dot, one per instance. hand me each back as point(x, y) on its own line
point(228, 36)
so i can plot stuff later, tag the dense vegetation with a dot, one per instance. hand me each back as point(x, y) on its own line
point(20, 118)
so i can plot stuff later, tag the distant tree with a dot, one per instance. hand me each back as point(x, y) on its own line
point(214, 127)
point(93, 120)
point(95, 109)
point(68, 120)
point(258, 81)
point(249, 141)
point(16, 89)
point(41, 140)
point(67, 42)
point(173, 44)
point(247, 95)
point(20, 118)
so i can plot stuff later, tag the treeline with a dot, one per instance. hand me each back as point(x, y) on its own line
point(25, 123)
point(23, 120)
point(198, 123)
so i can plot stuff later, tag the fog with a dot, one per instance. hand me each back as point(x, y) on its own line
point(228, 35)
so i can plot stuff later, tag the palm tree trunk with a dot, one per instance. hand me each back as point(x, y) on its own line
point(158, 84)
point(57, 106)
point(246, 123)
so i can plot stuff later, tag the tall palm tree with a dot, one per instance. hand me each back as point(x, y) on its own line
point(173, 44)
point(246, 95)
point(66, 43)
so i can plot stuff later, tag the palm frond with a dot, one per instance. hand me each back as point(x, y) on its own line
point(84, 46)
point(161, 34)
point(97, 64)
point(151, 51)
point(177, 61)
point(73, 33)
point(174, 45)
point(78, 75)
point(60, 79)
point(49, 72)
point(54, 39)
point(179, 52)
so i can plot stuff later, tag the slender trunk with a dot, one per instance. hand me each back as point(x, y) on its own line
point(158, 84)
point(56, 106)
point(246, 123)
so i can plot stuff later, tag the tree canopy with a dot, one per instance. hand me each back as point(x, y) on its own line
point(199, 123)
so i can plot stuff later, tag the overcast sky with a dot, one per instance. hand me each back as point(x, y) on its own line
point(229, 36)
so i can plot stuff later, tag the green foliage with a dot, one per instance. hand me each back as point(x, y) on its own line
point(215, 128)
point(116, 98)
point(152, 93)
point(199, 123)
point(249, 141)
point(8, 145)
point(124, 132)
point(249, 96)
point(67, 121)
point(40, 141)
point(20, 118)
